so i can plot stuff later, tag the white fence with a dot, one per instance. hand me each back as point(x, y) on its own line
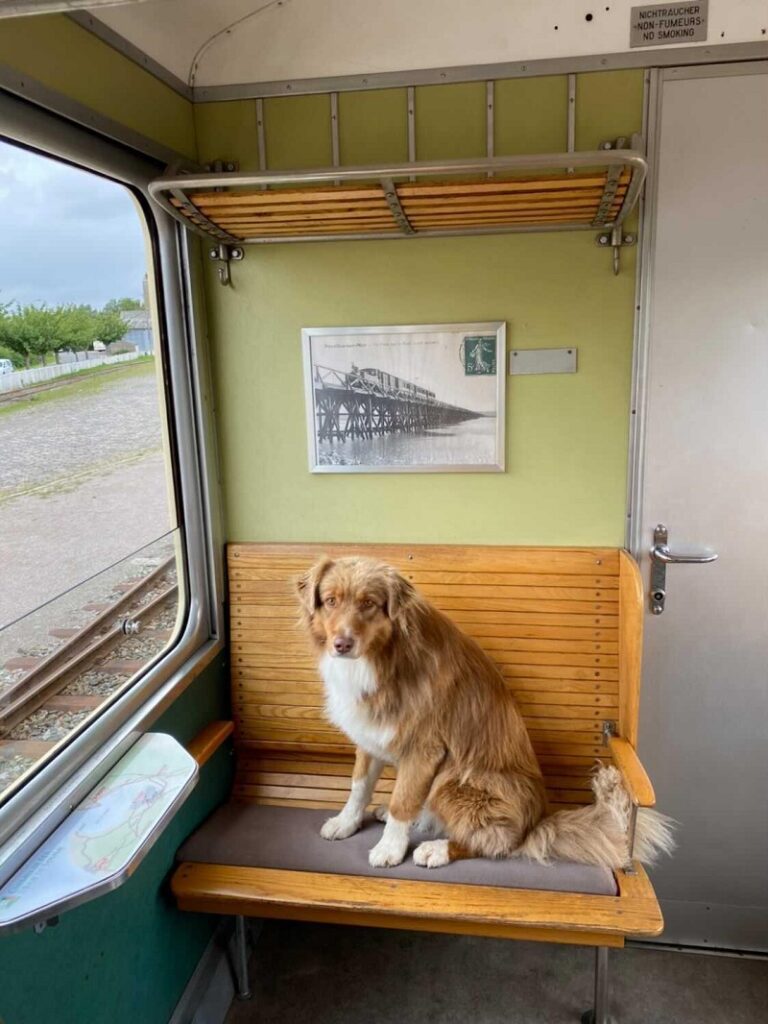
point(40, 374)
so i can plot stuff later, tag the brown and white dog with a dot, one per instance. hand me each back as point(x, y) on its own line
point(410, 689)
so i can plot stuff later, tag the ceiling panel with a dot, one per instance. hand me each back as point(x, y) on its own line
point(290, 39)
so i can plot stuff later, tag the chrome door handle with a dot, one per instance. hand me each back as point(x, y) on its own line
point(661, 553)
point(661, 557)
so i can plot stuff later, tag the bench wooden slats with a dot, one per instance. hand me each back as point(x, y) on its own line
point(295, 558)
point(274, 588)
point(304, 694)
point(551, 618)
point(428, 576)
point(300, 678)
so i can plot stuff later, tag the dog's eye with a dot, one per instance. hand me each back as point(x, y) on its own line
point(330, 602)
point(368, 604)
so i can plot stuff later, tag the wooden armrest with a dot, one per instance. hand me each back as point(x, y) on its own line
point(633, 774)
point(207, 742)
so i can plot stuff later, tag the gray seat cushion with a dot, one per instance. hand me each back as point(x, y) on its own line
point(252, 835)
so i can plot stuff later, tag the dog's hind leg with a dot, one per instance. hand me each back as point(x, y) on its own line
point(436, 853)
point(485, 816)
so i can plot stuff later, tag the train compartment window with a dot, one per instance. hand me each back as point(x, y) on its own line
point(93, 588)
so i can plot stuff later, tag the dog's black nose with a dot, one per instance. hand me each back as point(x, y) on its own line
point(343, 645)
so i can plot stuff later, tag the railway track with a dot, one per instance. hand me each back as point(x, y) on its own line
point(32, 390)
point(61, 688)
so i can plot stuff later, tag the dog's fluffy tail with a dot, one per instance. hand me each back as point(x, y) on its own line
point(598, 833)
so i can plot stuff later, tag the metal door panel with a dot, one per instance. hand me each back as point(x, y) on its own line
point(704, 723)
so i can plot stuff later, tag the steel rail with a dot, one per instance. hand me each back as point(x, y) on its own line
point(83, 637)
point(31, 692)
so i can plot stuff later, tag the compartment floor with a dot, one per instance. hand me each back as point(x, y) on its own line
point(326, 974)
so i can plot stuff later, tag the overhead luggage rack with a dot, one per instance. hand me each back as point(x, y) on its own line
point(551, 192)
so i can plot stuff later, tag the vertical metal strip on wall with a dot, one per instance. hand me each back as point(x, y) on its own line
point(571, 140)
point(261, 136)
point(335, 132)
point(411, 95)
point(490, 123)
point(645, 240)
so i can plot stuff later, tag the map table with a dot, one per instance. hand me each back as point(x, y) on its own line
point(104, 839)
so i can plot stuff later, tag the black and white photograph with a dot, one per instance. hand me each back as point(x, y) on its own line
point(423, 398)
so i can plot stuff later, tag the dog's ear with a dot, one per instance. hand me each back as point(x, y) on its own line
point(308, 585)
point(400, 595)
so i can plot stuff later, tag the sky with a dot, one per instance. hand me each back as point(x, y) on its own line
point(68, 235)
point(430, 359)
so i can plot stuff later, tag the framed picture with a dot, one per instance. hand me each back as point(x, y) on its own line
point(427, 398)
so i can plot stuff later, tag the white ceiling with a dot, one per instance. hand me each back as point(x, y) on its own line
point(291, 39)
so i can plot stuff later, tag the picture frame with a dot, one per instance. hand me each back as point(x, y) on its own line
point(418, 398)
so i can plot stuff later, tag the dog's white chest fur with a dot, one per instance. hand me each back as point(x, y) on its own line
point(347, 681)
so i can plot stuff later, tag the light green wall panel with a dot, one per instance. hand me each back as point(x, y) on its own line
point(609, 104)
point(567, 435)
point(65, 57)
point(228, 131)
point(298, 132)
point(450, 121)
point(373, 126)
point(531, 115)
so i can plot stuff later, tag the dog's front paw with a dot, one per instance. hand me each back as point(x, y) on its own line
point(432, 854)
point(340, 827)
point(388, 853)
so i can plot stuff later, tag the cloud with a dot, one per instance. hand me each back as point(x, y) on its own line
point(68, 235)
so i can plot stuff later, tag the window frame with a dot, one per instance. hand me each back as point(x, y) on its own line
point(32, 813)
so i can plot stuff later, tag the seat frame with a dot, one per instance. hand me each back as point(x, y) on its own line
point(261, 581)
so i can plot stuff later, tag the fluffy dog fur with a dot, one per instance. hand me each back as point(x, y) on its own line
point(410, 689)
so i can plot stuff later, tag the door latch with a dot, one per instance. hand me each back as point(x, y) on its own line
point(661, 557)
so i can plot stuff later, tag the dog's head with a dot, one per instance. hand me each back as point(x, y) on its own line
point(352, 606)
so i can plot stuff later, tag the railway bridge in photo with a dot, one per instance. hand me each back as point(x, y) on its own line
point(367, 403)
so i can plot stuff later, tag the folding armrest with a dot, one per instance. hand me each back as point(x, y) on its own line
point(633, 774)
point(207, 742)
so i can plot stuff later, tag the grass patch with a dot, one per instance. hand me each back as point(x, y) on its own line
point(82, 382)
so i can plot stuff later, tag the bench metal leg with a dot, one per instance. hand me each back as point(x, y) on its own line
point(599, 1015)
point(241, 958)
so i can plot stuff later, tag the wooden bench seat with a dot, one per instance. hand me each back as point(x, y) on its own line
point(565, 627)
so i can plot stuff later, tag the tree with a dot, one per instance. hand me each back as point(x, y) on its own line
point(37, 330)
point(30, 331)
point(6, 352)
point(121, 305)
point(77, 328)
point(110, 326)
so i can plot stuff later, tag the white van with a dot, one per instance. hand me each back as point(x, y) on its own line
point(6, 366)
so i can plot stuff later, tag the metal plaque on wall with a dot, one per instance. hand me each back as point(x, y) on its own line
point(662, 24)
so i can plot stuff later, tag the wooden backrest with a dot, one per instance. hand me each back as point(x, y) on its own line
point(563, 624)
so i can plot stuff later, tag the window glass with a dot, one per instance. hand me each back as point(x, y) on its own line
point(88, 533)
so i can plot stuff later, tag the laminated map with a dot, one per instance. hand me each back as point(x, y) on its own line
point(105, 837)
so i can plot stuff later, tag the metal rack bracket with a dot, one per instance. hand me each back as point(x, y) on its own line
point(617, 240)
point(223, 254)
